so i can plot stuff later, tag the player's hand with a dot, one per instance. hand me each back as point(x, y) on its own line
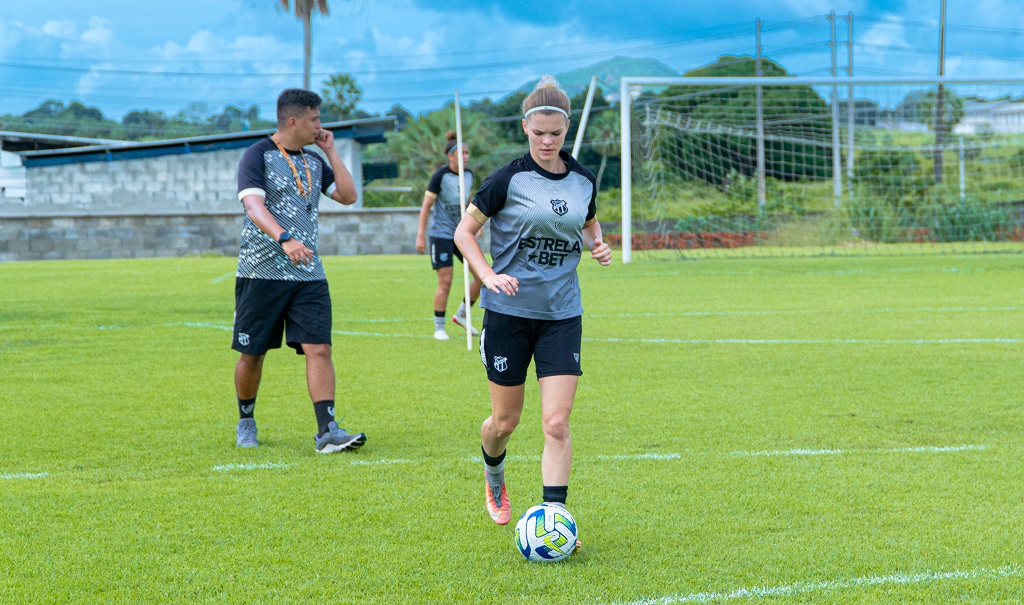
point(421, 244)
point(324, 139)
point(602, 253)
point(297, 252)
point(499, 283)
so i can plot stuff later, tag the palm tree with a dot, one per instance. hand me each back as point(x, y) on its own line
point(304, 10)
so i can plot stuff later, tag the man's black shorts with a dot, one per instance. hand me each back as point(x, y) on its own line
point(267, 309)
point(441, 252)
point(507, 343)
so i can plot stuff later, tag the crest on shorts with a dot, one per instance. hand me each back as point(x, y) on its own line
point(444, 257)
point(577, 357)
point(500, 363)
point(560, 207)
point(243, 338)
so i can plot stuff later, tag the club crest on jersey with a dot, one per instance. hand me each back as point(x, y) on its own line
point(500, 363)
point(560, 207)
point(243, 338)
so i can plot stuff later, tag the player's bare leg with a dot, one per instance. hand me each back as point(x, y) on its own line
point(506, 410)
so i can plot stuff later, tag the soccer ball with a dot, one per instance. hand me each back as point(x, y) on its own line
point(546, 533)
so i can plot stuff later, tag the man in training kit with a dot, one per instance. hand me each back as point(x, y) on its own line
point(542, 210)
point(281, 288)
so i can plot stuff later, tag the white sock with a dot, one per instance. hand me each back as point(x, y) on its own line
point(438, 324)
point(462, 309)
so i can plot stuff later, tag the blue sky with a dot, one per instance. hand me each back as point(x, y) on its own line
point(120, 55)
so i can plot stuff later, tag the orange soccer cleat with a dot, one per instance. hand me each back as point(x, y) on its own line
point(498, 506)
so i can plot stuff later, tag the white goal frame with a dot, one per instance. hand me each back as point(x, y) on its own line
point(625, 114)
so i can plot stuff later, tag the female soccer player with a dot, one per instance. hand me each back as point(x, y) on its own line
point(443, 194)
point(542, 209)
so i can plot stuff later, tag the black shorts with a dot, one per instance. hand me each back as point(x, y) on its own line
point(265, 309)
point(441, 252)
point(507, 343)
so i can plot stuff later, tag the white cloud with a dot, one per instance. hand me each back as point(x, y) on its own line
point(889, 33)
point(60, 29)
point(100, 32)
point(93, 81)
point(418, 53)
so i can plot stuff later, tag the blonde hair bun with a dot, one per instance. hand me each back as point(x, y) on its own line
point(548, 81)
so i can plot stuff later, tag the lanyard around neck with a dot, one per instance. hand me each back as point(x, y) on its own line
point(295, 171)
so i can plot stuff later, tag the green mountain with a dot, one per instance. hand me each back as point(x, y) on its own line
point(608, 74)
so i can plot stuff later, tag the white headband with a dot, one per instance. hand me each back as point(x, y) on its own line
point(546, 108)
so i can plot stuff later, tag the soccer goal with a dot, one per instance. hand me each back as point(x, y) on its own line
point(810, 166)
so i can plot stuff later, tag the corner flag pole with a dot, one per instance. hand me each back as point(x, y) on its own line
point(462, 212)
point(583, 121)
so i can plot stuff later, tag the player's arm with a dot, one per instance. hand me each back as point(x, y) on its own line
point(479, 231)
point(592, 236)
point(256, 210)
point(428, 203)
point(465, 239)
point(344, 186)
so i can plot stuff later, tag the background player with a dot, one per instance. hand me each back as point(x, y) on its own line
point(443, 195)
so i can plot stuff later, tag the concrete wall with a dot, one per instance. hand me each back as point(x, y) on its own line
point(172, 205)
point(369, 231)
point(188, 183)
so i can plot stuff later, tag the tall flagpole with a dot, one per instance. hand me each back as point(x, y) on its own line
point(462, 212)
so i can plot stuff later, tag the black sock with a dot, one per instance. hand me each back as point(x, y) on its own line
point(324, 414)
point(556, 493)
point(246, 407)
point(439, 314)
point(493, 460)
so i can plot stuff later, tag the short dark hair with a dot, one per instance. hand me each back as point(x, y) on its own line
point(294, 102)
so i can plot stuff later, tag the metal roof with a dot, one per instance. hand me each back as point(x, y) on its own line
point(55, 139)
point(366, 131)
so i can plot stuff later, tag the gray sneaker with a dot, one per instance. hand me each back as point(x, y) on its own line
point(337, 439)
point(246, 433)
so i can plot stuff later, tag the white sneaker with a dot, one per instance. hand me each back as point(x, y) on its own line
point(461, 321)
point(440, 335)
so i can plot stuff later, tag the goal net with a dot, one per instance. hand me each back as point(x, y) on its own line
point(811, 166)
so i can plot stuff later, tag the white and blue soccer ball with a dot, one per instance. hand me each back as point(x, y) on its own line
point(546, 533)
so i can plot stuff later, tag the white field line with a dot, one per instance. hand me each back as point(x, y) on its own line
point(896, 450)
point(661, 456)
point(668, 456)
point(254, 466)
point(812, 341)
point(802, 588)
point(693, 341)
point(24, 475)
point(217, 280)
point(870, 271)
point(649, 456)
point(875, 311)
point(378, 462)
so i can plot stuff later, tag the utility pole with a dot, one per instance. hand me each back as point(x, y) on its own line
point(761, 187)
point(850, 123)
point(940, 108)
point(837, 155)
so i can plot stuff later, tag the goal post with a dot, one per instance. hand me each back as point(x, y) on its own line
point(850, 165)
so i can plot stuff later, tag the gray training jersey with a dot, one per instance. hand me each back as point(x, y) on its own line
point(444, 184)
point(537, 221)
point(264, 171)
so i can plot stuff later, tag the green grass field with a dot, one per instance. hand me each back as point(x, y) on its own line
point(821, 430)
